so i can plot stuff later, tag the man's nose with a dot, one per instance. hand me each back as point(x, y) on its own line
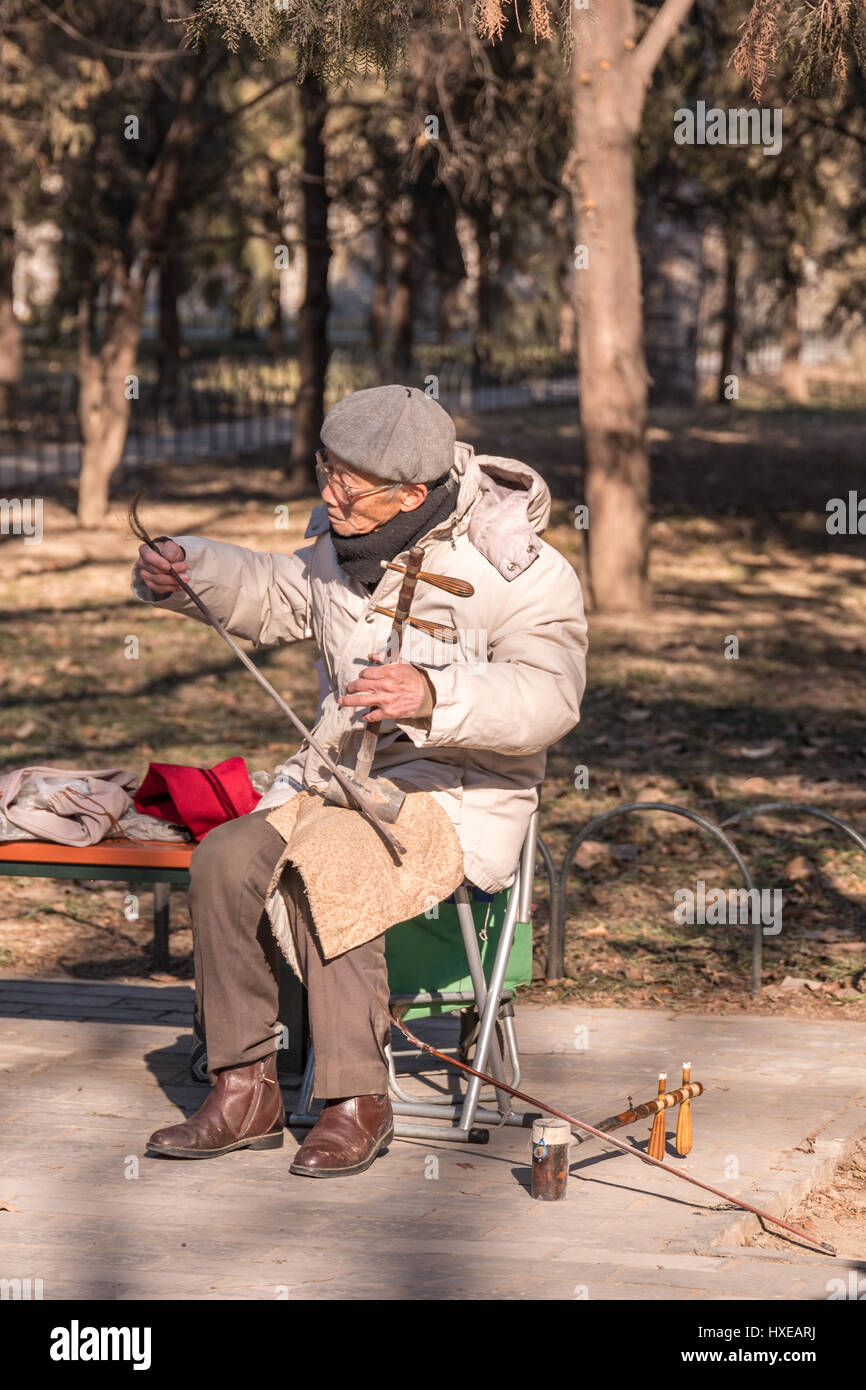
point(335, 495)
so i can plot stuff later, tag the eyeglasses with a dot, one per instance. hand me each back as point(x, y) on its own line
point(326, 476)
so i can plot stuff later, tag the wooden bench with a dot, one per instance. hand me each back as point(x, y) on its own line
point(157, 862)
point(160, 863)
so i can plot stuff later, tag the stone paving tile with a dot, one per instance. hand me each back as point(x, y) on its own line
point(708, 1280)
point(20, 1051)
point(222, 1229)
point(126, 1287)
point(662, 1292)
point(68, 1015)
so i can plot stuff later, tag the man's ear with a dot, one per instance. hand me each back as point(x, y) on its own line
point(413, 495)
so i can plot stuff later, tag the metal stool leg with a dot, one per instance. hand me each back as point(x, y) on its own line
point(487, 1000)
point(488, 997)
point(304, 1114)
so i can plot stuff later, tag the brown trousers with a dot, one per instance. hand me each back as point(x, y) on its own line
point(237, 967)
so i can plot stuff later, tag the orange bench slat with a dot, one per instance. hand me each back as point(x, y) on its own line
point(133, 854)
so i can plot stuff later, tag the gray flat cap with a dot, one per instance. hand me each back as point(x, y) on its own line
point(394, 432)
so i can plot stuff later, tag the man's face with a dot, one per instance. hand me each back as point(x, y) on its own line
point(357, 516)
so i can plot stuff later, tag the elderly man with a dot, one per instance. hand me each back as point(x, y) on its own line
point(471, 728)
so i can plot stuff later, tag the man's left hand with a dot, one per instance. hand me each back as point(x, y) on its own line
point(395, 691)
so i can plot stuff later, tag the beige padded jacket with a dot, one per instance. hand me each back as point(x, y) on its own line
point(510, 689)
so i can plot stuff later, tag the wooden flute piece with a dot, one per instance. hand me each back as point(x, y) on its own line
point(617, 1143)
point(441, 634)
point(658, 1132)
point(648, 1107)
point(461, 587)
point(683, 1139)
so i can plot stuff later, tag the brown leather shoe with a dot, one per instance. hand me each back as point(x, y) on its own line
point(243, 1111)
point(346, 1137)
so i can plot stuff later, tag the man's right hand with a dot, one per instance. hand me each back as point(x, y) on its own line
point(153, 568)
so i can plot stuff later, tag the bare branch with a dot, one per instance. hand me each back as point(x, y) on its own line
point(155, 55)
point(207, 126)
point(664, 25)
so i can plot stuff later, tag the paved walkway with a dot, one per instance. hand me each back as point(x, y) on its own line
point(89, 1070)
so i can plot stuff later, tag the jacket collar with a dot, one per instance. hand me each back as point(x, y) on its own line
point(502, 504)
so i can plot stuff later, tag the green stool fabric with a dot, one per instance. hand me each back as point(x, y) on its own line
point(427, 955)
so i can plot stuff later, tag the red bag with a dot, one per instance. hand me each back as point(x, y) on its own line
point(197, 797)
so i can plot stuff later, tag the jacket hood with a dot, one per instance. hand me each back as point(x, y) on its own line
point(502, 503)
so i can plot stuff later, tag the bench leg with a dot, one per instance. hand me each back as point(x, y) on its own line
point(161, 957)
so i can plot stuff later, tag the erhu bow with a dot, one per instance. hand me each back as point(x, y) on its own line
point(617, 1143)
point(355, 794)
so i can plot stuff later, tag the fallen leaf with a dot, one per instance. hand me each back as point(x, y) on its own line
point(631, 972)
point(26, 729)
point(754, 785)
point(759, 750)
point(798, 868)
point(593, 852)
point(663, 822)
point(793, 982)
point(653, 793)
point(600, 930)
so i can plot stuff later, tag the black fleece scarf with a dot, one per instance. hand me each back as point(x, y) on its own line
point(360, 556)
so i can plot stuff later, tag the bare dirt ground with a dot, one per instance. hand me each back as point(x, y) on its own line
point(739, 548)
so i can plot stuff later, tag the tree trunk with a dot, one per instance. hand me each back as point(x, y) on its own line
point(103, 405)
point(795, 383)
point(448, 258)
point(379, 298)
point(730, 316)
point(611, 75)
point(612, 371)
point(10, 332)
point(312, 329)
point(485, 292)
point(404, 229)
point(562, 222)
point(671, 268)
point(242, 305)
point(169, 340)
point(567, 321)
point(275, 338)
point(449, 291)
point(103, 414)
